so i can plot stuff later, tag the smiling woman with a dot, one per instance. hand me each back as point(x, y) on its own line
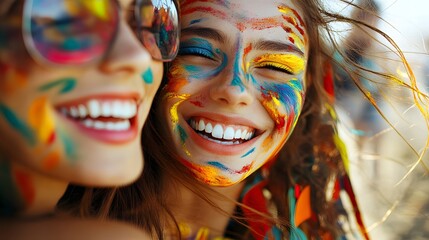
point(76, 85)
point(241, 141)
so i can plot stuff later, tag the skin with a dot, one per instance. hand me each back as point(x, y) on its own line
point(241, 66)
point(43, 147)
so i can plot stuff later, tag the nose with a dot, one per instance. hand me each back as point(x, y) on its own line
point(127, 54)
point(231, 93)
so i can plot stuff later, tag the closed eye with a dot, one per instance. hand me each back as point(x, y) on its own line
point(276, 67)
point(196, 51)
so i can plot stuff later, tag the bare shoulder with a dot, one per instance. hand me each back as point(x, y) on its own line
point(69, 229)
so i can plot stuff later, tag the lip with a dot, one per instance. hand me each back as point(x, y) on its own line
point(103, 135)
point(221, 149)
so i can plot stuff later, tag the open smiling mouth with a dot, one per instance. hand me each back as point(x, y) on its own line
point(112, 120)
point(220, 133)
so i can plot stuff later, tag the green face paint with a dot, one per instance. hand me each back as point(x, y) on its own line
point(148, 76)
point(64, 85)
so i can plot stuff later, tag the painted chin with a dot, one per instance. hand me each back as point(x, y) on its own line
point(221, 138)
point(109, 119)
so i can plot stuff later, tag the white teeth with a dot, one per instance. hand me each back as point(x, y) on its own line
point(217, 131)
point(209, 128)
point(201, 125)
point(82, 111)
point(74, 112)
point(238, 133)
point(94, 109)
point(229, 133)
point(106, 110)
point(110, 126)
point(244, 134)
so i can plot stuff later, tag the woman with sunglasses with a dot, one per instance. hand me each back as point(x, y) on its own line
point(77, 79)
point(242, 134)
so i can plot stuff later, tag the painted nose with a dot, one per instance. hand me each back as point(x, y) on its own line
point(127, 54)
point(231, 94)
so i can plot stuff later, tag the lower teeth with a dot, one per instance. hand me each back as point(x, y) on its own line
point(218, 141)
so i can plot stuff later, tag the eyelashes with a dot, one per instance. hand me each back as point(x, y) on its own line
point(196, 51)
point(276, 67)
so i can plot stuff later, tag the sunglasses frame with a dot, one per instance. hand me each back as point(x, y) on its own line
point(38, 57)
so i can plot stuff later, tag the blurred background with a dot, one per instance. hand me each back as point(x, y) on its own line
point(392, 187)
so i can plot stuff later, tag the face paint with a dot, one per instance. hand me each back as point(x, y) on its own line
point(65, 85)
point(245, 86)
point(148, 76)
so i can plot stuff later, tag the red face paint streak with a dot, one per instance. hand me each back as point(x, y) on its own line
point(25, 186)
point(301, 22)
point(210, 10)
point(52, 138)
point(245, 169)
point(259, 24)
point(186, 3)
point(295, 24)
point(247, 49)
point(197, 103)
point(291, 40)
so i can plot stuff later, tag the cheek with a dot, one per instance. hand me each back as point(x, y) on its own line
point(177, 78)
point(283, 102)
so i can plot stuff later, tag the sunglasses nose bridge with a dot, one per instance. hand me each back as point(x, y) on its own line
point(126, 53)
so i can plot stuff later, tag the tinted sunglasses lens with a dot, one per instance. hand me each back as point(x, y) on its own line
point(70, 31)
point(158, 27)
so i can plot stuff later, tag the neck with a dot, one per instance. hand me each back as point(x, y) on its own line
point(25, 193)
point(196, 213)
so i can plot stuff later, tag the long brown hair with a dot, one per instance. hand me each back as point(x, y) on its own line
point(310, 156)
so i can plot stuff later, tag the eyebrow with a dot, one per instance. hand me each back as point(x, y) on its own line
point(205, 32)
point(277, 46)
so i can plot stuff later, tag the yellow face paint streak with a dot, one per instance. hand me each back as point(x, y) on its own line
point(209, 175)
point(289, 62)
point(271, 106)
point(41, 119)
point(298, 41)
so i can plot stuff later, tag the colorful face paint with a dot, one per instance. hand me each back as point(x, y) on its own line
point(243, 79)
point(67, 121)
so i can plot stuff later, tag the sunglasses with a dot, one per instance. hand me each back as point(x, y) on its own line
point(75, 32)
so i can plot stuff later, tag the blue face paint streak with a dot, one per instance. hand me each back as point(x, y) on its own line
point(203, 48)
point(10, 198)
point(219, 166)
point(248, 153)
point(65, 85)
point(236, 80)
point(18, 124)
point(196, 21)
point(288, 93)
point(147, 76)
point(182, 134)
point(69, 147)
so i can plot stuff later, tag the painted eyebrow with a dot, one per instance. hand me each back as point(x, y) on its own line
point(277, 46)
point(205, 33)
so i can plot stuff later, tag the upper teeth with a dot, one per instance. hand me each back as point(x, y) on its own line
point(220, 132)
point(124, 109)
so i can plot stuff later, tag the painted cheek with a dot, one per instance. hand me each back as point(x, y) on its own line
point(41, 119)
point(63, 86)
point(11, 79)
point(287, 96)
point(18, 125)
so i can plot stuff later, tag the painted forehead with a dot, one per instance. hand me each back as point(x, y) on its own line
point(285, 16)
